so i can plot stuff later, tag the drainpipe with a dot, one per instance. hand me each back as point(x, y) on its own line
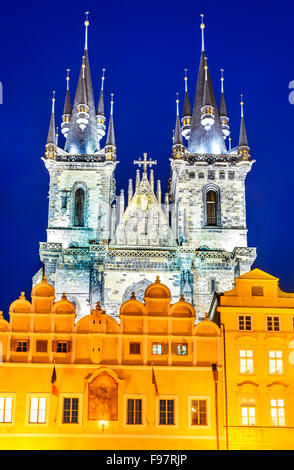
point(226, 388)
point(215, 378)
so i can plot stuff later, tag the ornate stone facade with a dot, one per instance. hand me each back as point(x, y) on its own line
point(101, 245)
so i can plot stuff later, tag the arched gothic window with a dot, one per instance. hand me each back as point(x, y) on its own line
point(211, 207)
point(79, 208)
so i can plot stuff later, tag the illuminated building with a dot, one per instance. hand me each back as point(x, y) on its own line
point(101, 245)
point(158, 379)
point(257, 323)
point(144, 383)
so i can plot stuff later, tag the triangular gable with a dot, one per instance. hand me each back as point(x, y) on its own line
point(144, 223)
point(258, 274)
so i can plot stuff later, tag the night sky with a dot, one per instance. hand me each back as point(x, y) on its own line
point(145, 47)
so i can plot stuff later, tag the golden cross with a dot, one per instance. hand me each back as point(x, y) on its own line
point(145, 162)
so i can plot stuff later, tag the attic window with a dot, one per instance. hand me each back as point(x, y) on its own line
point(257, 291)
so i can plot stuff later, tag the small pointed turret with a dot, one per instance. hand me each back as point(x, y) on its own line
point(243, 148)
point(110, 147)
point(187, 113)
point(178, 147)
point(51, 139)
point(223, 110)
point(100, 116)
point(130, 190)
point(207, 110)
point(158, 191)
point(67, 109)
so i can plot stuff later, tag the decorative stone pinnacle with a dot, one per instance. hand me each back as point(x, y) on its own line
point(182, 298)
point(64, 296)
point(157, 279)
point(133, 297)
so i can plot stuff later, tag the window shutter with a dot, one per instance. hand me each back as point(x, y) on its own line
point(13, 343)
point(54, 345)
point(69, 344)
point(165, 348)
point(28, 344)
point(174, 348)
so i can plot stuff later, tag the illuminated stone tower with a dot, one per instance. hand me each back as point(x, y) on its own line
point(208, 185)
point(102, 246)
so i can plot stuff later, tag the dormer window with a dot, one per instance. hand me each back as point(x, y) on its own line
point(257, 291)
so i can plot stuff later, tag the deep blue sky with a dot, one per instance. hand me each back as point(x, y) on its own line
point(145, 46)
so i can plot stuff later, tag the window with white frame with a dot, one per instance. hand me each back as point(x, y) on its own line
point(199, 412)
point(37, 410)
point(275, 362)
point(5, 409)
point(246, 361)
point(248, 412)
point(134, 411)
point(278, 412)
point(157, 348)
point(166, 412)
point(272, 323)
point(245, 323)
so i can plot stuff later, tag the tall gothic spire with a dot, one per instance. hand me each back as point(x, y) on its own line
point(51, 138)
point(187, 113)
point(243, 147)
point(110, 148)
point(200, 140)
point(66, 116)
point(178, 147)
point(100, 116)
point(223, 109)
point(80, 139)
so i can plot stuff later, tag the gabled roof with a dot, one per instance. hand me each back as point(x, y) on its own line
point(258, 274)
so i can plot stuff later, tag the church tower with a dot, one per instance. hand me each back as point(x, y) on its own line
point(102, 246)
point(208, 185)
point(81, 189)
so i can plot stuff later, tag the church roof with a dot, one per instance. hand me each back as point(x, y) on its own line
point(201, 141)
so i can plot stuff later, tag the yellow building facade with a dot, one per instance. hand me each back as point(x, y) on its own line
point(158, 379)
point(152, 381)
point(256, 320)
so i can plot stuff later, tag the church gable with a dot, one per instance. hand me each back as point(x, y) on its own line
point(144, 223)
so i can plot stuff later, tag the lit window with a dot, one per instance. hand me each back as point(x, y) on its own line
point(63, 346)
point(273, 323)
point(275, 362)
point(5, 409)
point(37, 410)
point(245, 322)
point(199, 412)
point(157, 348)
point(135, 348)
point(166, 411)
point(70, 410)
point(278, 412)
point(248, 415)
point(134, 411)
point(246, 361)
point(22, 346)
point(182, 349)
